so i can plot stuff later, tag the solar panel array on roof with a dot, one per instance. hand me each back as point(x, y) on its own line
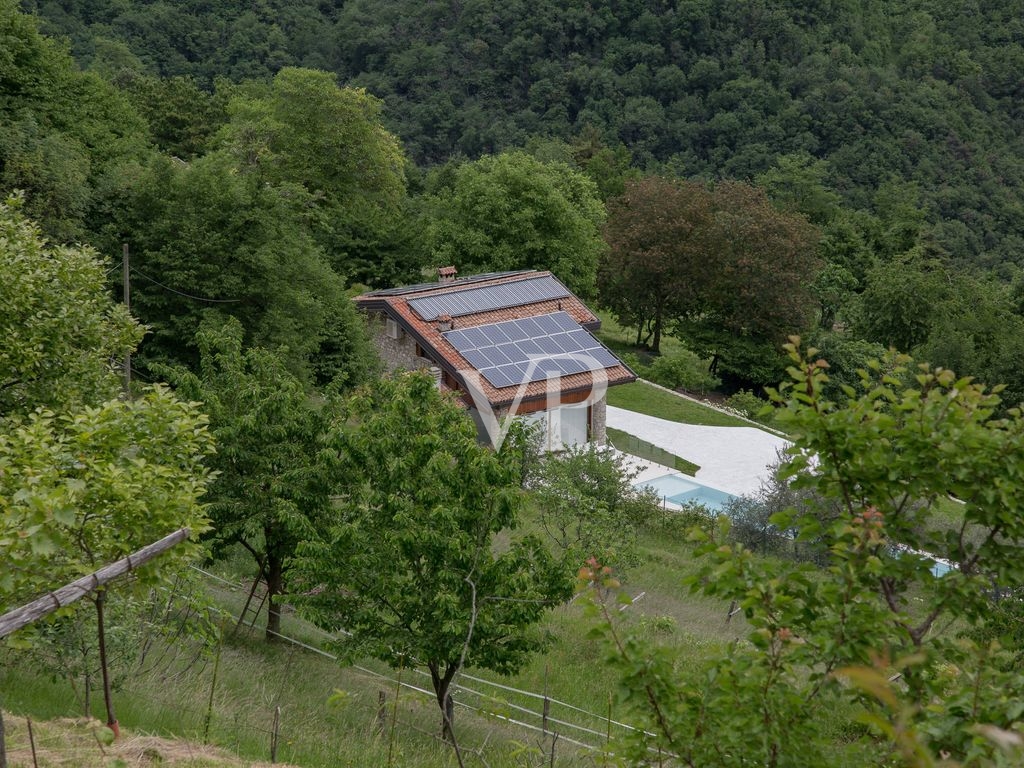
point(521, 351)
point(515, 293)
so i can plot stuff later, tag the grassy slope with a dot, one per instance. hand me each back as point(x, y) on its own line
point(254, 678)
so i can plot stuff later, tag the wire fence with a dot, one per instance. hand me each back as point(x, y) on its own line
point(179, 687)
point(536, 712)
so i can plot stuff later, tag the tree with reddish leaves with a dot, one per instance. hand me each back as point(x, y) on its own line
point(655, 233)
point(756, 288)
point(728, 272)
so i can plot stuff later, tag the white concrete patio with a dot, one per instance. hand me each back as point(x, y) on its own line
point(732, 459)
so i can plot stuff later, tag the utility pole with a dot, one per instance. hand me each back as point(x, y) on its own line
point(126, 280)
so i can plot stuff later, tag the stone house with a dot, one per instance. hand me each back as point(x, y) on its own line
point(509, 343)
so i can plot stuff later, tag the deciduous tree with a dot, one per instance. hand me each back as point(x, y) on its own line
point(59, 331)
point(656, 255)
point(512, 211)
point(269, 493)
point(755, 283)
point(305, 130)
point(208, 240)
point(411, 568)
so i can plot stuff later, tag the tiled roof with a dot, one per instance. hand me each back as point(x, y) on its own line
point(395, 302)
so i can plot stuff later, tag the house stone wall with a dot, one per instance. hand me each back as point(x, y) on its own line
point(599, 421)
point(396, 354)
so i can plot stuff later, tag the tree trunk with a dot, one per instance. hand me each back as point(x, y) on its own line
point(656, 343)
point(101, 599)
point(444, 699)
point(275, 588)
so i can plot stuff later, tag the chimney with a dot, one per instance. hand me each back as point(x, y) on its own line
point(446, 274)
point(436, 373)
point(445, 323)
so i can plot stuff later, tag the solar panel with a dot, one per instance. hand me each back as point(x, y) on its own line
point(518, 352)
point(468, 301)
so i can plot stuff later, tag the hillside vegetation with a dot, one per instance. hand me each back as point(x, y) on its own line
point(787, 202)
point(913, 104)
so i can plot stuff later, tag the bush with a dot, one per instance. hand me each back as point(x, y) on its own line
point(748, 405)
point(588, 507)
point(683, 370)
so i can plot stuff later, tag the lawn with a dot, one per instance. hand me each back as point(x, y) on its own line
point(622, 340)
point(644, 398)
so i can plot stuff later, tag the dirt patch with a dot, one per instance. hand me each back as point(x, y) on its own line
point(67, 742)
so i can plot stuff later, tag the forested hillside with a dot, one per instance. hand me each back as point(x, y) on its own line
point(192, 192)
point(917, 103)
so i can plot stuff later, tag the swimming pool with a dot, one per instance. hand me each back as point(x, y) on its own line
point(681, 490)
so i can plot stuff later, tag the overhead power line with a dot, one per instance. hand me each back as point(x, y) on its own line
point(182, 293)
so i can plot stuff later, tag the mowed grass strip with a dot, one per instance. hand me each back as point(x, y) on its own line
point(652, 401)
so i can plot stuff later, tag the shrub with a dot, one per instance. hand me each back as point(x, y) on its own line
point(749, 406)
point(683, 370)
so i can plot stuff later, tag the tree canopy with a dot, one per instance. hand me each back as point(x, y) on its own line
point(730, 272)
point(922, 92)
point(269, 492)
point(410, 567)
point(512, 211)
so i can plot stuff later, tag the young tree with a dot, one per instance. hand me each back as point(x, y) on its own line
point(512, 211)
point(269, 493)
point(882, 632)
point(410, 567)
point(84, 480)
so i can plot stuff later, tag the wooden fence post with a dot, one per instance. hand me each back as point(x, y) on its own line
point(31, 742)
point(382, 711)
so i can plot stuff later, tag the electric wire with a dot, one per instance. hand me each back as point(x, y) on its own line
point(182, 293)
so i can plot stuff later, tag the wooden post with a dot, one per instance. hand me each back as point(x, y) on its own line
point(382, 712)
point(76, 590)
point(31, 742)
point(547, 704)
point(213, 687)
point(108, 701)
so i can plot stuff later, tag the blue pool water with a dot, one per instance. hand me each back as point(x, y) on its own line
point(682, 490)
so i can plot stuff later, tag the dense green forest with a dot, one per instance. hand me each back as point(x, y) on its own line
point(916, 102)
point(198, 128)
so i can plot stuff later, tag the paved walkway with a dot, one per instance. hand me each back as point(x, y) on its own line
point(732, 459)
